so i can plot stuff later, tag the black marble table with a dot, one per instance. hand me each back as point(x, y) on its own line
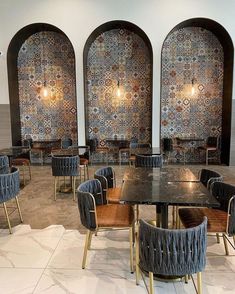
point(164, 193)
point(160, 174)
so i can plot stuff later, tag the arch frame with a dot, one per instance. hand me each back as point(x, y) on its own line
point(226, 42)
point(12, 54)
point(111, 25)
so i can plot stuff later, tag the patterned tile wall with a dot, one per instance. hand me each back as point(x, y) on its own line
point(119, 55)
point(47, 56)
point(188, 54)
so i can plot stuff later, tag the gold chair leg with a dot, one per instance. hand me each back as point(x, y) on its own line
point(131, 249)
point(87, 171)
point(151, 289)
point(234, 239)
point(55, 187)
point(23, 167)
point(74, 187)
point(7, 217)
point(186, 279)
point(30, 174)
point(225, 245)
point(199, 283)
point(85, 249)
point(137, 270)
point(89, 241)
point(18, 206)
point(217, 237)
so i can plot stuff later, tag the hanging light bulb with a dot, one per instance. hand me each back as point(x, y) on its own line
point(118, 93)
point(45, 91)
point(193, 86)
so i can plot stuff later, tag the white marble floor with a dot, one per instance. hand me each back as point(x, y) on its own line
point(49, 261)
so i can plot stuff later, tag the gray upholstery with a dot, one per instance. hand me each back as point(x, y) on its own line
point(223, 193)
point(4, 164)
point(207, 177)
point(93, 187)
point(66, 142)
point(65, 166)
point(105, 173)
point(9, 185)
point(148, 160)
point(172, 252)
point(89, 195)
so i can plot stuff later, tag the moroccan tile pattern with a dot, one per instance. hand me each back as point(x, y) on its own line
point(119, 55)
point(47, 57)
point(188, 54)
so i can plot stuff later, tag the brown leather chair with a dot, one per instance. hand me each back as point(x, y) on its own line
point(212, 146)
point(96, 215)
point(221, 220)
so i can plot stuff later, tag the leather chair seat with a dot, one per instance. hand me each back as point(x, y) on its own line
point(20, 161)
point(191, 217)
point(114, 194)
point(114, 215)
point(84, 161)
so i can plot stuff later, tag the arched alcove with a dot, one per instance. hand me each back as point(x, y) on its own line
point(41, 55)
point(197, 53)
point(118, 53)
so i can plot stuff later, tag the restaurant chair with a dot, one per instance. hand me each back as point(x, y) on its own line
point(4, 164)
point(106, 176)
point(171, 253)
point(212, 146)
point(66, 143)
point(167, 149)
point(35, 148)
point(65, 167)
point(206, 177)
point(221, 220)
point(149, 161)
point(22, 159)
point(96, 148)
point(9, 189)
point(124, 149)
point(133, 147)
point(96, 215)
point(84, 156)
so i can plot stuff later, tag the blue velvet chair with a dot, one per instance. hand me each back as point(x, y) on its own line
point(4, 164)
point(150, 161)
point(63, 166)
point(9, 189)
point(95, 214)
point(165, 252)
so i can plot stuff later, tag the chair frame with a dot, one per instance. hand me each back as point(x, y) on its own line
point(151, 274)
point(11, 174)
point(98, 228)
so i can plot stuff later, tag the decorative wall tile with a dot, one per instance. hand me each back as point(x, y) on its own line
point(47, 56)
point(119, 55)
point(187, 54)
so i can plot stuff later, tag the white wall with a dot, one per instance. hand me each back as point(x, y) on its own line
point(78, 18)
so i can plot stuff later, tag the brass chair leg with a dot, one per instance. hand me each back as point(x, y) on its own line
point(137, 270)
point(30, 174)
point(18, 206)
point(151, 289)
point(87, 171)
point(74, 187)
point(89, 241)
point(131, 249)
point(199, 283)
point(234, 239)
point(225, 245)
point(186, 279)
point(7, 217)
point(24, 174)
point(55, 188)
point(85, 249)
point(217, 236)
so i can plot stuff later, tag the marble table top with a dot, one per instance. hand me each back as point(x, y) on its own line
point(169, 193)
point(160, 174)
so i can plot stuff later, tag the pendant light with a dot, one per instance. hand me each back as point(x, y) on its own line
point(44, 90)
